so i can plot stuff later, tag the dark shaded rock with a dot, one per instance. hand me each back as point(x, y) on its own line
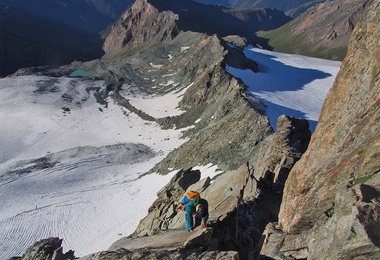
point(47, 249)
point(236, 58)
point(31, 40)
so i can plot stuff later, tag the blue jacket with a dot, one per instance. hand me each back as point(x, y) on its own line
point(201, 216)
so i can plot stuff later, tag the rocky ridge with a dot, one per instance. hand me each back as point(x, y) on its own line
point(331, 198)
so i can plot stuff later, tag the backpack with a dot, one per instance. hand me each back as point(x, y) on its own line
point(201, 208)
point(193, 195)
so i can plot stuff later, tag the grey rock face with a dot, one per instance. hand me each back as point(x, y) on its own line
point(47, 249)
point(170, 244)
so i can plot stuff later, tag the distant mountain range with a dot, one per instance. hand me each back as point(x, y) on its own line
point(89, 15)
point(323, 31)
point(53, 32)
point(292, 8)
point(57, 32)
point(28, 40)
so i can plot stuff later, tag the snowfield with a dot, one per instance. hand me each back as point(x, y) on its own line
point(70, 167)
point(288, 84)
point(157, 106)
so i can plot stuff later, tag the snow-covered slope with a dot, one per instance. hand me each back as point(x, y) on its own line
point(70, 167)
point(288, 84)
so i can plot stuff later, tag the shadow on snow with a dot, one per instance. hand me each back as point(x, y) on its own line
point(275, 76)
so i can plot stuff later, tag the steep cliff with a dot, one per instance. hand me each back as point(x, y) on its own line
point(323, 31)
point(331, 198)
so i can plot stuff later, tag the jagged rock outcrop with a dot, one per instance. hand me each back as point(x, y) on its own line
point(140, 24)
point(323, 31)
point(331, 198)
point(279, 152)
point(47, 249)
point(262, 194)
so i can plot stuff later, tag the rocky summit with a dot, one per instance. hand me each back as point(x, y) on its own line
point(280, 192)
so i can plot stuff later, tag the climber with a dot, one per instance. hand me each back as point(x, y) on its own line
point(196, 210)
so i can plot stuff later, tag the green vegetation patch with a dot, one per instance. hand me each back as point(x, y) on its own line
point(361, 180)
point(284, 40)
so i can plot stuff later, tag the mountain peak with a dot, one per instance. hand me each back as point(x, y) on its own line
point(139, 24)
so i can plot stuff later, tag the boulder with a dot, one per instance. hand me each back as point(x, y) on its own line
point(47, 249)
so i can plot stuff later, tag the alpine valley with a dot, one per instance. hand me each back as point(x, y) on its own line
point(112, 110)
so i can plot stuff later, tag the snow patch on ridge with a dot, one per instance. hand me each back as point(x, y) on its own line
point(209, 170)
point(157, 106)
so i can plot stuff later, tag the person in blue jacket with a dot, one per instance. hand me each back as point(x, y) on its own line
point(196, 210)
